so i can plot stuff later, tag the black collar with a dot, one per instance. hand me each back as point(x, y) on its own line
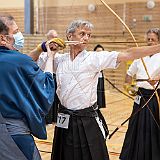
point(3, 47)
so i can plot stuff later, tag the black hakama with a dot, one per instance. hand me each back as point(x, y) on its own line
point(51, 117)
point(101, 102)
point(83, 140)
point(142, 140)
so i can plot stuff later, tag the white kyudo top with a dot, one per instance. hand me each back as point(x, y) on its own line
point(42, 60)
point(137, 68)
point(77, 80)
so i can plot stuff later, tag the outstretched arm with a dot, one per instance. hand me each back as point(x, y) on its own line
point(34, 54)
point(138, 52)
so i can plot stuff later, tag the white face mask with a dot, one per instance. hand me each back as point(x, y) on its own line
point(18, 40)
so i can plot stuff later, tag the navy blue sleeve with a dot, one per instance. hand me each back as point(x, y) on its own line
point(26, 92)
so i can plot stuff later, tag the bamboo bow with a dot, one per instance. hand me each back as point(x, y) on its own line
point(127, 28)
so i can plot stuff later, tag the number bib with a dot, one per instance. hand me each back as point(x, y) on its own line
point(63, 120)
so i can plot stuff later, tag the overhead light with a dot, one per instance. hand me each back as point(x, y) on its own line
point(150, 4)
point(91, 7)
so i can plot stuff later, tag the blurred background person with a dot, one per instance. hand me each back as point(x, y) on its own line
point(51, 117)
point(101, 102)
point(26, 95)
point(142, 140)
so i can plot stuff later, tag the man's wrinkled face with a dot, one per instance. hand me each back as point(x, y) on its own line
point(8, 39)
point(83, 35)
point(13, 29)
point(152, 39)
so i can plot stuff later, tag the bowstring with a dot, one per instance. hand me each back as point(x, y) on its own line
point(146, 104)
point(111, 10)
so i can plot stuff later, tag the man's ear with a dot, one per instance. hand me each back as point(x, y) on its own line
point(69, 36)
point(2, 40)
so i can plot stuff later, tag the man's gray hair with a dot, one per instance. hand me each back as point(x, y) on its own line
point(155, 31)
point(76, 24)
point(52, 34)
point(5, 22)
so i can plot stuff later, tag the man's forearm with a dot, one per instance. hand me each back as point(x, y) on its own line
point(49, 65)
point(138, 52)
point(34, 54)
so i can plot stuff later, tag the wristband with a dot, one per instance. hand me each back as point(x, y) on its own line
point(42, 47)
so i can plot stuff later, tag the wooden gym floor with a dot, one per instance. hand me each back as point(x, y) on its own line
point(117, 110)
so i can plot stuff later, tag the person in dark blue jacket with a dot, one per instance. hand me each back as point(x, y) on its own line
point(26, 95)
